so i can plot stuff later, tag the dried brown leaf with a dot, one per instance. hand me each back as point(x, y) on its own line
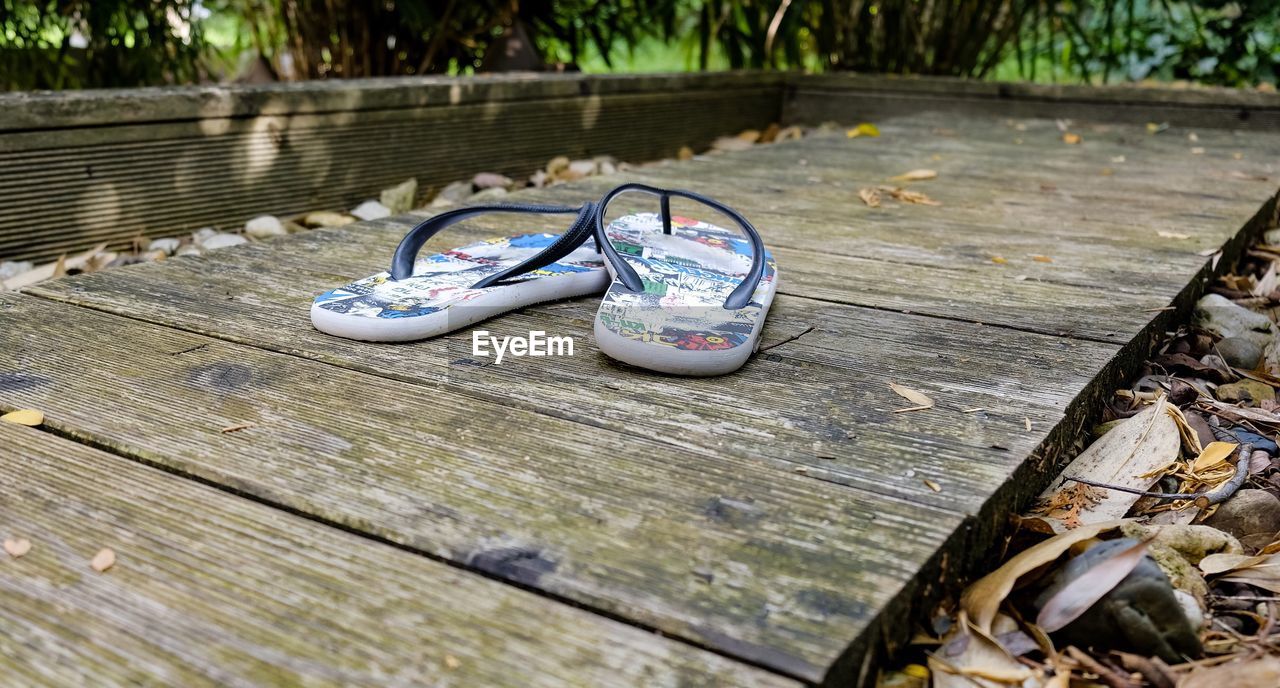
point(915, 176)
point(912, 197)
point(1077, 596)
point(982, 599)
point(920, 400)
point(870, 196)
point(29, 417)
point(1070, 138)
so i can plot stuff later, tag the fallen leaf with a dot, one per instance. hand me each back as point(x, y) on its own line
point(1197, 150)
point(1071, 138)
point(16, 547)
point(1061, 512)
point(239, 427)
point(451, 662)
point(932, 485)
point(1253, 672)
point(999, 260)
point(1130, 455)
point(914, 176)
point(864, 129)
point(1073, 599)
point(912, 197)
point(1027, 422)
point(1213, 455)
point(1042, 259)
point(1261, 570)
point(29, 417)
point(982, 599)
point(1118, 159)
point(1224, 562)
point(103, 560)
point(1153, 128)
point(1172, 235)
point(920, 400)
point(870, 196)
point(969, 657)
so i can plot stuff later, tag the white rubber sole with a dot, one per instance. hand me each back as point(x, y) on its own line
point(495, 301)
point(686, 362)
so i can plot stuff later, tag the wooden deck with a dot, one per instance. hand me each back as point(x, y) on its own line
point(397, 514)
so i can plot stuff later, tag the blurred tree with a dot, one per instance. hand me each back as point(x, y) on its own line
point(78, 43)
point(350, 38)
point(83, 43)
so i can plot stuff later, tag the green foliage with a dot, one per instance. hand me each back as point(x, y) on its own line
point(77, 44)
point(1208, 41)
point(82, 43)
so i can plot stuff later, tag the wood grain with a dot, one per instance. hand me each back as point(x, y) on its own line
point(213, 590)
point(819, 407)
point(70, 188)
point(779, 515)
point(737, 553)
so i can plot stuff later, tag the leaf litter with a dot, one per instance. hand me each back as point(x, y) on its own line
point(1179, 469)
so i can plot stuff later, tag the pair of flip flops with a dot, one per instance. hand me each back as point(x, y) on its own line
point(680, 296)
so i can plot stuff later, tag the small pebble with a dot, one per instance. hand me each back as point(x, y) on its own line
point(400, 198)
point(456, 192)
point(218, 241)
point(1246, 392)
point(1240, 352)
point(11, 268)
point(325, 218)
point(371, 210)
point(490, 180)
point(265, 227)
point(168, 245)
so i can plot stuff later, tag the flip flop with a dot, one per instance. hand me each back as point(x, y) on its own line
point(687, 297)
point(429, 296)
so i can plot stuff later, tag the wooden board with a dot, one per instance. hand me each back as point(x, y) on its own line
point(734, 552)
point(784, 516)
point(210, 589)
point(181, 159)
point(816, 405)
point(818, 97)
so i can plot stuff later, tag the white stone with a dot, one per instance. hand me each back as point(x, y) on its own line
point(400, 198)
point(326, 218)
point(168, 245)
point(188, 250)
point(218, 241)
point(371, 210)
point(265, 227)
point(203, 233)
point(582, 168)
point(13, 268)
point(1221, 316)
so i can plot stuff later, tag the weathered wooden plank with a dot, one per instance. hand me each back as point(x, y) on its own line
point(815, 98)
point(211, 589)
point(740, 554)
point(817, 399)
point(75, 187)
point(45, 110)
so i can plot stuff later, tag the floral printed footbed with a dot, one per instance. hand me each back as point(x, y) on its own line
point(687, 276)
point(444, 279)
